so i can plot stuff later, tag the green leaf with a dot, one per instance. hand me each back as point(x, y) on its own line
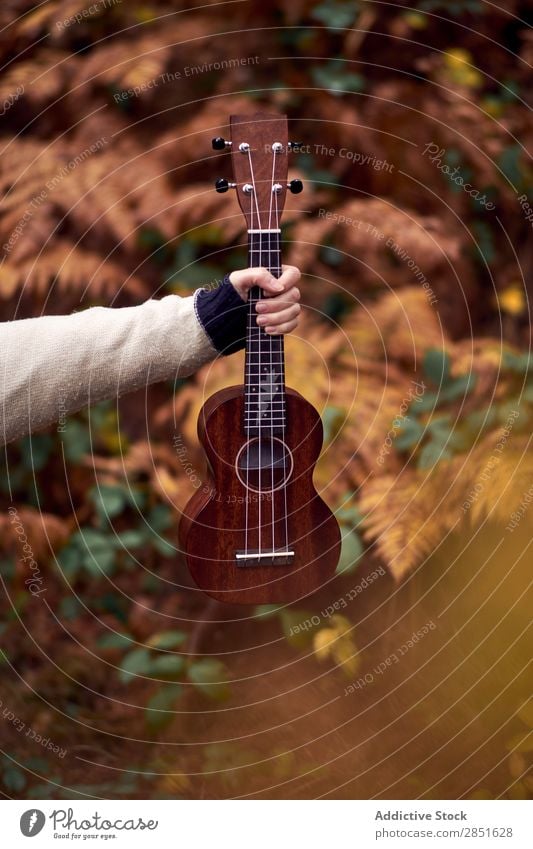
point(431, 454)
point(36, 450)
point(436, 365)
point(37, 765)
point(100, 562)
point(209, 677)
point(136, 662)
point(332, 419)
point(160, 518)
point(135, 497)
point(167, 639)
point(159, 710)
point(349, 513)
point(519, 363)
point(485, 248)
point(14, 779)
point(76, 440)
point(307, 164)
point(509, 162)
point(331, 256)
point(152, 238)
point(108, 500)
point(444, 432)
point(336, 15)
point(409, 434)
point(91, 539)
point(164, 547)
point(167, 666)
point(95, 550)
point(114, 641)
point(70, 607)
point(427, 401)
point(7, 567)
point(453, 389)
point(440, 426)
point(336, 79)
point(70, 560)
point(133, 538)
point(351, 550)
point(478, 420)
point(458, 387)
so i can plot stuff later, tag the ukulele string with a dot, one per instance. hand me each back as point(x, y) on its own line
point(282, 405)
point(271, 350)
point(251, 377)
point(247, 399)
point(258, 335)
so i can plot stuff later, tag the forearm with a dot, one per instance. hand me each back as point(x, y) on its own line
point(55, 365)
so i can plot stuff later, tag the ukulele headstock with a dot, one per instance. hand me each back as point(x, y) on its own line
point(259, 151)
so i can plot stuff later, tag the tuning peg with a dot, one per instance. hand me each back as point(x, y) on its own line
point(295, 187)
point(219, 143)
point(222, 185)
point(295, 145)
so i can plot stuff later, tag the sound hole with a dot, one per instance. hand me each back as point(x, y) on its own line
point(264, 464)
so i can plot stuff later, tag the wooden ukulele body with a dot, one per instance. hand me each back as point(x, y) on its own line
point(230, 530)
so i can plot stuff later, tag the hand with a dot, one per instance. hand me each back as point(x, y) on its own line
point(277, 312)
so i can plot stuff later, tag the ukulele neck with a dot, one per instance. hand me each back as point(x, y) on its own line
point(264, 373)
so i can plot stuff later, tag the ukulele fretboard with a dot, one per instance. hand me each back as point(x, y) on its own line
point(264, 377)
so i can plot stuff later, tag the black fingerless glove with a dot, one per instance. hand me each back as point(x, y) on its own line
point(223, 315)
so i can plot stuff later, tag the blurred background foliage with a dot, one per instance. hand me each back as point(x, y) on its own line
point(107, 199)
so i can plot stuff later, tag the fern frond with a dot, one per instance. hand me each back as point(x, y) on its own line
point(408, 516)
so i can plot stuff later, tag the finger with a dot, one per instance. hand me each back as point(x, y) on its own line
point(279, 317)
point(265, 280)
point(278, 302)
point(244, 279)
point(287, 280)
point(290, 276)
point(287, 327)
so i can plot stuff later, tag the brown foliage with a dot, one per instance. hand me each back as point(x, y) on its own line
point(107, 198)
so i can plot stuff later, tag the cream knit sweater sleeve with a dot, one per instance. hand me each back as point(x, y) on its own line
point(54, 365)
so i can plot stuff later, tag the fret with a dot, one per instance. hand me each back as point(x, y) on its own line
point(260, 395)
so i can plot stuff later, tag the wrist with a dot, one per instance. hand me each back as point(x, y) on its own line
point(222, 312)
point(239, 287)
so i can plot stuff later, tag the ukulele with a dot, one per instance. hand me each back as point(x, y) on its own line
point(259, 532)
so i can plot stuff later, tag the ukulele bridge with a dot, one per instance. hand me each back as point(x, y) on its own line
point(254, 557)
